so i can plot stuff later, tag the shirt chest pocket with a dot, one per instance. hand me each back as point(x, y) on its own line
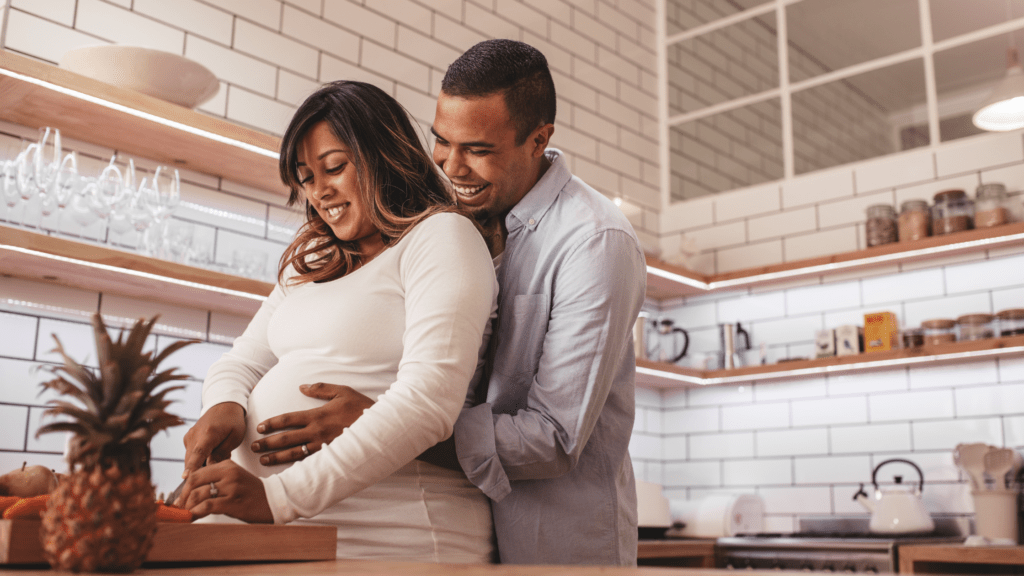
point(521, 335)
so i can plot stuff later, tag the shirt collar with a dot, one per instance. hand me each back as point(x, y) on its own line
point(535, 204)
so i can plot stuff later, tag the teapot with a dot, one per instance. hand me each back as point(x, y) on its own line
point(897, 510)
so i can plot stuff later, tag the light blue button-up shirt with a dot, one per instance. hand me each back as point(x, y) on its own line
point(550, 445)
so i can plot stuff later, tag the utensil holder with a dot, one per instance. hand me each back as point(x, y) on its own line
point(995, 514)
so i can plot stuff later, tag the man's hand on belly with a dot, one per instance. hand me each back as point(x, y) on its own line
point(289, 432)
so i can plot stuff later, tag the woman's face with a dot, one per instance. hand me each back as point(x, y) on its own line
point(329, 183)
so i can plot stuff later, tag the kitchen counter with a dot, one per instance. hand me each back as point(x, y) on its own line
point(352, 567)
point(949, 559)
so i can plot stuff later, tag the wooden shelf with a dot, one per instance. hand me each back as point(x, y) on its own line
point(665, 280)
point(26, 254)
point(36, 94)
point(947, 559)
point(661, 375)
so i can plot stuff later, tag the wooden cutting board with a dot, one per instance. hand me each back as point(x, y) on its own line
point(19, 543)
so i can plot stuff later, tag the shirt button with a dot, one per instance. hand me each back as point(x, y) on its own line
point(532, 221)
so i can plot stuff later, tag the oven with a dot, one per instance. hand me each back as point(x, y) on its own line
point(825, 547)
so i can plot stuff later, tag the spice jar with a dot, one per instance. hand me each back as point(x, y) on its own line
point(952, 212)
point(974, 327)
point(915, 221)
point(881, 225)
point(1011, 322)
point(990, 206)
point(939, 331)
point(912, 337)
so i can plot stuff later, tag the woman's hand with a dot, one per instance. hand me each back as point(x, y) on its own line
point(225, 488)
point(310, 428)
point(220, 430)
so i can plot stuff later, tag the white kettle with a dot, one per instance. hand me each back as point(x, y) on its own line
point(898, 510)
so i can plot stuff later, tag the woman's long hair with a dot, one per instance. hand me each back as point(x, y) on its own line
point(398, 181)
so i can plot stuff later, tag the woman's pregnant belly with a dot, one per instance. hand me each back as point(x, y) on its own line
point(278, 393)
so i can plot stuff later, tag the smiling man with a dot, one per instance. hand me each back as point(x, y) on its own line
point(547, 438)
point(549, 443)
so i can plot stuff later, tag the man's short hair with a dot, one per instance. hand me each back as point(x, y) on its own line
point(517, 70)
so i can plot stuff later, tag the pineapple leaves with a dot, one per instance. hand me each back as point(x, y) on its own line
point(118, 405)
point(73, 427)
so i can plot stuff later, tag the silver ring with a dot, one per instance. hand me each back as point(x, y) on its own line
point(305, 450)
point(213, 491)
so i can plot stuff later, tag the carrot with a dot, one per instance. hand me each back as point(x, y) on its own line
point(172, 514)
point(27, 508)
point(7, 501)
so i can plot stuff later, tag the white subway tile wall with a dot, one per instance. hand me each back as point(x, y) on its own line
point(816, 439)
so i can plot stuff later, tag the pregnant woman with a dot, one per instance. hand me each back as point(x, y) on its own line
point(387, 289)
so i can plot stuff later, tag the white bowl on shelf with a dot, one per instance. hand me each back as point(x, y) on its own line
point(159, 74)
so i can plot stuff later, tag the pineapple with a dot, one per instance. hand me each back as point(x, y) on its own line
point(101, 517)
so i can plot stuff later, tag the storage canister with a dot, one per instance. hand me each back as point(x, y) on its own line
point(952, 212)
point(939, 331)
point(915, 221)
point(974, 327)
point(881, 225)
point(912, 337)
point(1011, 322)
point(990, 206)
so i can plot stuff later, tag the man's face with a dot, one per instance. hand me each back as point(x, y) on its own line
point(476, 149)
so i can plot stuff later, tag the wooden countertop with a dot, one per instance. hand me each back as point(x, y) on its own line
point(352, 567)
point(950, 558)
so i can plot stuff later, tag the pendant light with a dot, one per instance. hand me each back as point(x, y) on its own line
point(1004, 109)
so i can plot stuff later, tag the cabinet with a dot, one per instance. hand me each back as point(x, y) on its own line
point(942, 559)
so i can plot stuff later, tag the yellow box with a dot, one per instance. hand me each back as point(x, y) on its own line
point(881, 332)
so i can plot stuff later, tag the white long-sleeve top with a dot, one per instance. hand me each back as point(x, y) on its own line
point(405, 329)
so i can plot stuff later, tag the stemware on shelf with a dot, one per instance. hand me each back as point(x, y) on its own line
point(64, 186)
point(110, 193)
point(48, 159)
point(9, 185)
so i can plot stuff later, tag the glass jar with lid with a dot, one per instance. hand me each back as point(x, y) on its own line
point(881, 225)
point(1011, 322)
point(952, 212)
point(915, 220)
point(974, 327)
point(991, 206)
point(939, 331)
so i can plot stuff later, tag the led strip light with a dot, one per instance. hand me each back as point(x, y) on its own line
point(832, 266)
point(140, 114)
point(137, 273)
point(832, 369)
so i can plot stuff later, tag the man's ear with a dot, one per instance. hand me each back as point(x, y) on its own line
point(540, 139)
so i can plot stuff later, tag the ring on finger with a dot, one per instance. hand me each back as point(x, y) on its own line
point(213, 491)
point(305, 450)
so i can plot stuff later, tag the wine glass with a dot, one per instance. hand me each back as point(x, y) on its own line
point(109, 192)
point(166, 188)
point(9, 186)
point(47, 161)
point(65, 185)
point(139, 209)
point(26, 177)
point(83, 202)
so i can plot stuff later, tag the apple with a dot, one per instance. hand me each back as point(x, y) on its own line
point(28, 481)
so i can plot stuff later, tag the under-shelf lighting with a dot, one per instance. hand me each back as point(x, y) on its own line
point(140, 114)
point(832, 266)
point(136, 273)
point(831, 369)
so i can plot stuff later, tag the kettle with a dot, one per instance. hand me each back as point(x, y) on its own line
point(663, 341)
point(898, 510)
